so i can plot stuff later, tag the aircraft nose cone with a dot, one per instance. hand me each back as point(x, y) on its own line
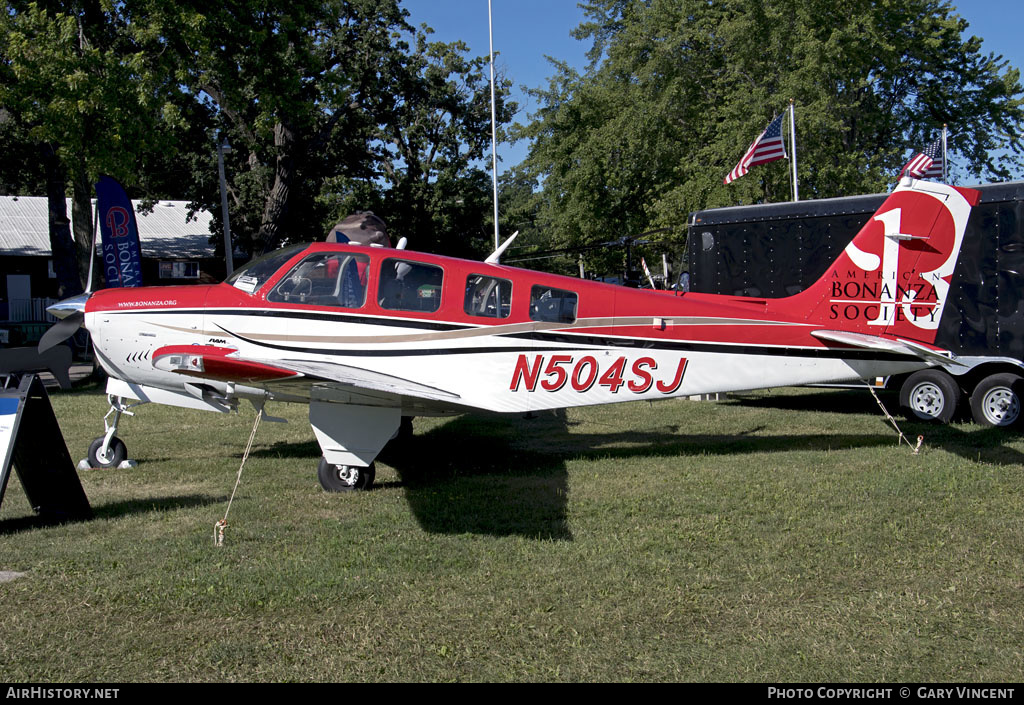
point(63, 309)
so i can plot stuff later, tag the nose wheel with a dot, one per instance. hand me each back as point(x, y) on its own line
point(107, 455)
point(344, 478)
point(109, 451)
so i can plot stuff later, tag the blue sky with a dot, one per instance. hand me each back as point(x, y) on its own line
point(525, 31)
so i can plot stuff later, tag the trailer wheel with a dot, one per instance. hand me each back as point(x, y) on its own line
point(996, 400)
point(930, 395)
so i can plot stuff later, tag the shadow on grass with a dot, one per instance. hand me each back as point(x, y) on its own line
point(469, 475)
point(970, 441)
point(112, 510)
point(307, 450)
point(506, 475)
point(835, 401)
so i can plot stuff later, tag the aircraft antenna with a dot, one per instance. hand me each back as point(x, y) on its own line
point(495, 257)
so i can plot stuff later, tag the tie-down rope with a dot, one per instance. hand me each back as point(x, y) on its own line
point(218, 528)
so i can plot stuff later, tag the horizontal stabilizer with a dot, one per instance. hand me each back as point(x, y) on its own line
point(898, 346)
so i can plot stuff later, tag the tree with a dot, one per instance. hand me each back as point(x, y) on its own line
point(295, 88)
point(329, 106)
point(85, 85)
point(329, 109)
point(677, 89)
point(430, 184)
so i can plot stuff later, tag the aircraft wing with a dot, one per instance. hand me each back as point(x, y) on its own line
point(366, 379)
point(223, 365)
point(889, 345)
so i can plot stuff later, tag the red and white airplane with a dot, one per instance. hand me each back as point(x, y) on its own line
point(368, 335)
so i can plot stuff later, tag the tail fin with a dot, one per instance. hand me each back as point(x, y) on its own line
point(894, 276)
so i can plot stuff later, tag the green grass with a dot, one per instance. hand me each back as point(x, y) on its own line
point(777, 537)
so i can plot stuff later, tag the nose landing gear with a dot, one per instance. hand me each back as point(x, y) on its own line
point(109, 451)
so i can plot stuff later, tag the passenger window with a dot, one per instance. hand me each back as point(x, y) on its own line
point(325, 279)
point(554, 305)
point(410, 286)
point(487, 296)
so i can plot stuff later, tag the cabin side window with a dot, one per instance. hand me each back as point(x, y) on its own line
point(488, 296)
point(552, 305)
point(410, 286)
point(325, 279)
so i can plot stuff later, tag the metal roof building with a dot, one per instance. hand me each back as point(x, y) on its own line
point(165, 233)
point(176, 249)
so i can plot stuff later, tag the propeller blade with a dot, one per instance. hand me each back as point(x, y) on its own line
point(61, 331)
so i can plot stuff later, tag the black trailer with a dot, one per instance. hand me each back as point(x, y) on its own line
point(780, 249)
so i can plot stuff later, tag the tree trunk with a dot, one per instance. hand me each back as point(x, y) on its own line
point(81, 211)
point(62, 247)
point(275, 209)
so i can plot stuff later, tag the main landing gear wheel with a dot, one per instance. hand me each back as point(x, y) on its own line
point(115, 455)
point(405, 428)
point(344, 478)
point(996, 400)
point(930, 396)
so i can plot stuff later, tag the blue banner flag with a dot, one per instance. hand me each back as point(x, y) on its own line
point(122, 253)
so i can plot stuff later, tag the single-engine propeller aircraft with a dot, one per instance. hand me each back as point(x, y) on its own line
point(366, 336)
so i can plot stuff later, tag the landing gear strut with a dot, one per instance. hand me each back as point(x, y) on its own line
point(109, 451)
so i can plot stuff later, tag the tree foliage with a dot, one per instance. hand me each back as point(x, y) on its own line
point(329, 106)
point(429, 154)
point(295, 88)
point(677, 89)
point(85, 86)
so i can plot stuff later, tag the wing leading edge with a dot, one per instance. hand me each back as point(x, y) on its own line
point(223, 365)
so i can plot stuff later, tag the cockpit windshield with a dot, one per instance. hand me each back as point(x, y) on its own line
point(252, 276)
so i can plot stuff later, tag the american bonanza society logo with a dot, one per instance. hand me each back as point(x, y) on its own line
point(885, 302)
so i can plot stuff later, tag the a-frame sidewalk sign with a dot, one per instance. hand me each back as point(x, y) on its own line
point(31, 441)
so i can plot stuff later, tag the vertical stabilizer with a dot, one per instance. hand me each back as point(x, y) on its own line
point(894, 276)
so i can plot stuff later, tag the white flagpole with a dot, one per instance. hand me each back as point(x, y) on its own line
point(945, 161)
point(494, 133)
point(792, 147)
point(92, 250)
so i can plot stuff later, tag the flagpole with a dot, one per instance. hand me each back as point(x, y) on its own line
point(792, 146)
point(944, 160)
point(494, 139)
point(92, 251)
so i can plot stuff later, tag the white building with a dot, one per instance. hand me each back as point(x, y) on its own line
point(176, 249)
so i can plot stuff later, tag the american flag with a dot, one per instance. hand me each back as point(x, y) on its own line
point(926, 164)
point(766, 148)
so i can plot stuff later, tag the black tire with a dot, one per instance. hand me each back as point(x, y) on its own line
point(996, 401)
point(116, 453)
point(930, 395)
point(405, 428)
point(344, 478)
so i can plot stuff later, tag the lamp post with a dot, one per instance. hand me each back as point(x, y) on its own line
point(222, 148)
